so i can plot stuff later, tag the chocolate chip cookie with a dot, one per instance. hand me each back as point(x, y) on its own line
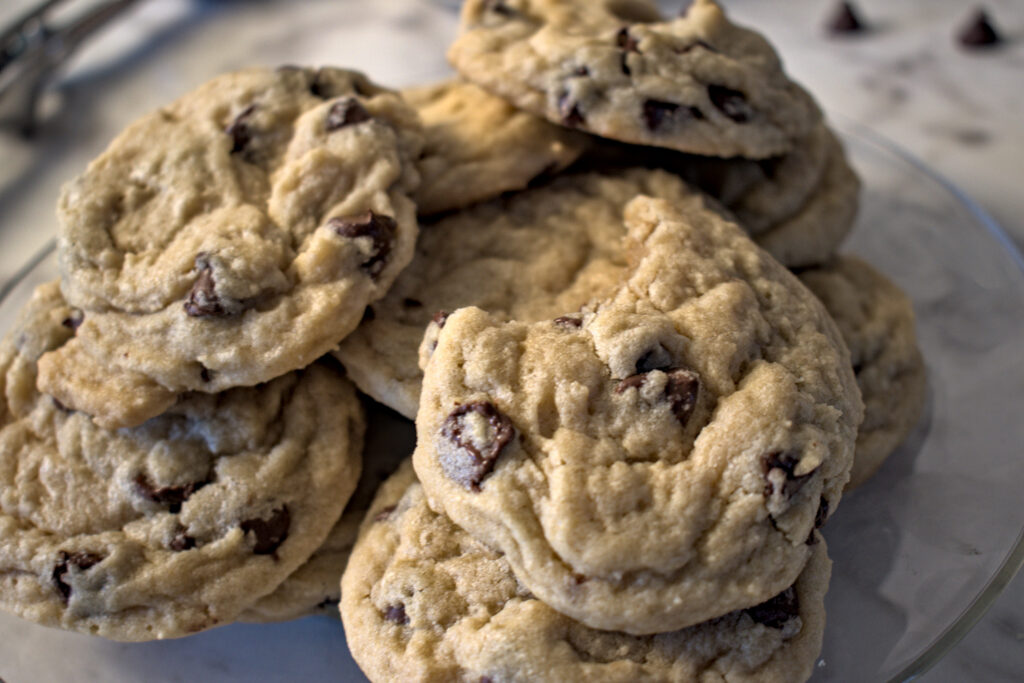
point(533, 256)
point(478, 145)
point(697, 83)
point(238, 233)
point(422, 600)
point(661, 459)
point(177, 525)
point(876, 320)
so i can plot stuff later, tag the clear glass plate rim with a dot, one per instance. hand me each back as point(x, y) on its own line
point(1014, 559)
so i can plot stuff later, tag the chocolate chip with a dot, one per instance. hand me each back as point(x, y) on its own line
point(682, 389)
point(631, 382)
point(845, 19)
point(239, 130)
point(396, 614)
point(346, 112)
point(384, 514)
point(65, 561)
point(181, 541)
point(785, 463)
point(473, 437)
point(570, 112)
point(979, 31)
point(269, 533)
point(74, 320)
point(656, 359)
point(203, 301)
point(730, 102)
point(412, 303)
point(568, 321)
point(379, 228)
point(774, 613)
point(440, 318)
point(657, 113)
point(171, 496)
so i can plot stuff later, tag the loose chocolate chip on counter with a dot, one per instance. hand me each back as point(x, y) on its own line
point(346, 112)
point(203, 301)
point(396, 614)
point(440, 318)
point(269, 533)
point(384, 514)
point(379, 228)
point(730, 102)
point(978, 31)
point(74, 320)
point(845, 19)
point(568, 321)
point(239, 130)
point(171, 496)
point(785, 464)
point(181, 541)
point(472, 438)
point(774, 613)
point(65, 561)
point(570, 112)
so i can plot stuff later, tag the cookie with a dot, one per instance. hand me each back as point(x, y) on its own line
point(876, 320)
point(314, 588)
point(658, 461)
point(239, 233)
point(477, 146)
point(423, 601)
point(616, 68)
point(533, 256)
point(177, 525)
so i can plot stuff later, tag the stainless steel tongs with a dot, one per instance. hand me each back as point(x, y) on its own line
point(31, 51)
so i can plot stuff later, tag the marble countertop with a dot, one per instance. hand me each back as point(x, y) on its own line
point(958, 111)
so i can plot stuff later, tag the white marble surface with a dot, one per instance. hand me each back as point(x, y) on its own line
point(960, 112)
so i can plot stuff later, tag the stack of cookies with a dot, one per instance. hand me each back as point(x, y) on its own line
point(598, 269)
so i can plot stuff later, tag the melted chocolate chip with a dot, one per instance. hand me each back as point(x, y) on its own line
point(384, 514)
point(568, 321)
point(74, 320)
point(171, 496)
point(774, 613)
point(241, 134)
point(681, 389)
point(346, 112)
point(379, 228)
point(203, 301)
point(472, 438)
point(845, 19)
point(570, 112)
point(786, 463)
point(730, 102)
point(65, 561)
point(657, 113)
point(396, 614)
point(412, 303)
point(978, 32)
point(440, 318)
point(181, 541)
point(269, 533)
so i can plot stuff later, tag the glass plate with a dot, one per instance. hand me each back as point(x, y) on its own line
point(920, 551)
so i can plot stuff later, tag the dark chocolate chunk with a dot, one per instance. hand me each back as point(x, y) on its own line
point(681, 389)
point(181, 541)
point(346, 112)
point(203, 301)
point(633, 381)
point(730, 102)
point(468, 454)
point(65, 561)
point(979, 31)
point(845, 19)
point(171, 496)
point(396, 614)
point(440, 318)
point(241, 134)
point(384, 513)
point(570, 112)
point(379, 228)
point(269, 533)
point(409, 302)
point(74, 320)
point(568, 321)
point(774, 613)
point(785, 463)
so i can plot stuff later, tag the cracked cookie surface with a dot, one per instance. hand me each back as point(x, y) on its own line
point(662, 458)
point(616, 68)
point(239, 232)
point(174, 526)
point(422, 601)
